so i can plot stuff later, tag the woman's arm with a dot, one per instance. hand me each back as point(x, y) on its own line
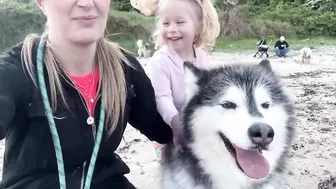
point(11, 75)
point(144, 115)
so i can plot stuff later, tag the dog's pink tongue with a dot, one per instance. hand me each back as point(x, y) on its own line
point(253, 163)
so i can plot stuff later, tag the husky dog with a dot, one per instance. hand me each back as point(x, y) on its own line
point(329, 183)
point(143, 50)
point(237, 127)
point(305, 55)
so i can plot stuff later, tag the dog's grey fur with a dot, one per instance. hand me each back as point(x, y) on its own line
point(216, 167)
point(329, 183)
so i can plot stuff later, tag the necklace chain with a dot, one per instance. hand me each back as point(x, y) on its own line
point(91, 98)
point(79, 85)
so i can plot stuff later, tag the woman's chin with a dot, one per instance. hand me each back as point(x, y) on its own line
point(85, 38)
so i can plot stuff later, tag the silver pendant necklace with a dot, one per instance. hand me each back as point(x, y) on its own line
point(90, 120)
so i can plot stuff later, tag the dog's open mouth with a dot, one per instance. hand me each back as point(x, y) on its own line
point(251, 162)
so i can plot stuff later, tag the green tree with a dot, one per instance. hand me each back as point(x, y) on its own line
point(121, 5)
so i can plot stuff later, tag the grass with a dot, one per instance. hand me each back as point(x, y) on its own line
point(240, 44)
point(143, 26)
point(128, 40)
point(134, 18)
point(247, 44)
point(222, 44)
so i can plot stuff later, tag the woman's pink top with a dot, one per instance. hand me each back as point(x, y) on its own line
point(87, 86)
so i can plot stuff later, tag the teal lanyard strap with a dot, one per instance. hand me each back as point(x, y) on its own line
point(52, 125)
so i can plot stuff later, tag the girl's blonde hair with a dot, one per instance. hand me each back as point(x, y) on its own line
point(112, 83)
point(209, 28)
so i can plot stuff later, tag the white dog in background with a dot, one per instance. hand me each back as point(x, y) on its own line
point(143, 50)
point(305, 55)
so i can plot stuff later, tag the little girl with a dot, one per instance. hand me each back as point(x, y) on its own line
point(186, 31)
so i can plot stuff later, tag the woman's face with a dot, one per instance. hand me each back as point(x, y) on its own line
point(81, 22)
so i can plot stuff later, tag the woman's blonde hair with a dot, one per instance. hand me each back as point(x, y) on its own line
point(112, 83)
point(209, 28)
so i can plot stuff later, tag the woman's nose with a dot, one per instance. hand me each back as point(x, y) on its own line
point(85, 3)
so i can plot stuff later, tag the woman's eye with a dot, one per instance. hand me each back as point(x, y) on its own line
point(265, 105)
point(229, 105)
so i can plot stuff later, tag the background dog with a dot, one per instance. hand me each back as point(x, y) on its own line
point(305, 55)
point(238, 125)
point(143, 50)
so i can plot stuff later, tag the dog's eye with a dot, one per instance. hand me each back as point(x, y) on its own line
point(229, 105)
point(265, 105)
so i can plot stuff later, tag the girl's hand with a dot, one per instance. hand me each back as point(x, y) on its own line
point(177, 132)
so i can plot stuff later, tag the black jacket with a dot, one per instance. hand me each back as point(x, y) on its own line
point(279, 43)
point(29, 159)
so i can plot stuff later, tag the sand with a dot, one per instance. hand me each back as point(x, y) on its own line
point(313, 153)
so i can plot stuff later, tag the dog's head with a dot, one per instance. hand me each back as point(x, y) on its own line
point(306, 52)
point(147, 46)
point(241, 112)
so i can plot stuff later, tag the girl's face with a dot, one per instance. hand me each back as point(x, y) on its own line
point(178, 28)
point(76, 21)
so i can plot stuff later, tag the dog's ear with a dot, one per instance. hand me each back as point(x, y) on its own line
point(266, 64)
point(191, 77)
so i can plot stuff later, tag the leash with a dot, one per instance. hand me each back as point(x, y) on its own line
point(52, 125)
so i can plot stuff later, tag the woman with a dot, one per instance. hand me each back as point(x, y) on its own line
point(65, 100)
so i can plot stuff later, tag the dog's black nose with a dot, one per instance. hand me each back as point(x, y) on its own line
point(261, 134)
